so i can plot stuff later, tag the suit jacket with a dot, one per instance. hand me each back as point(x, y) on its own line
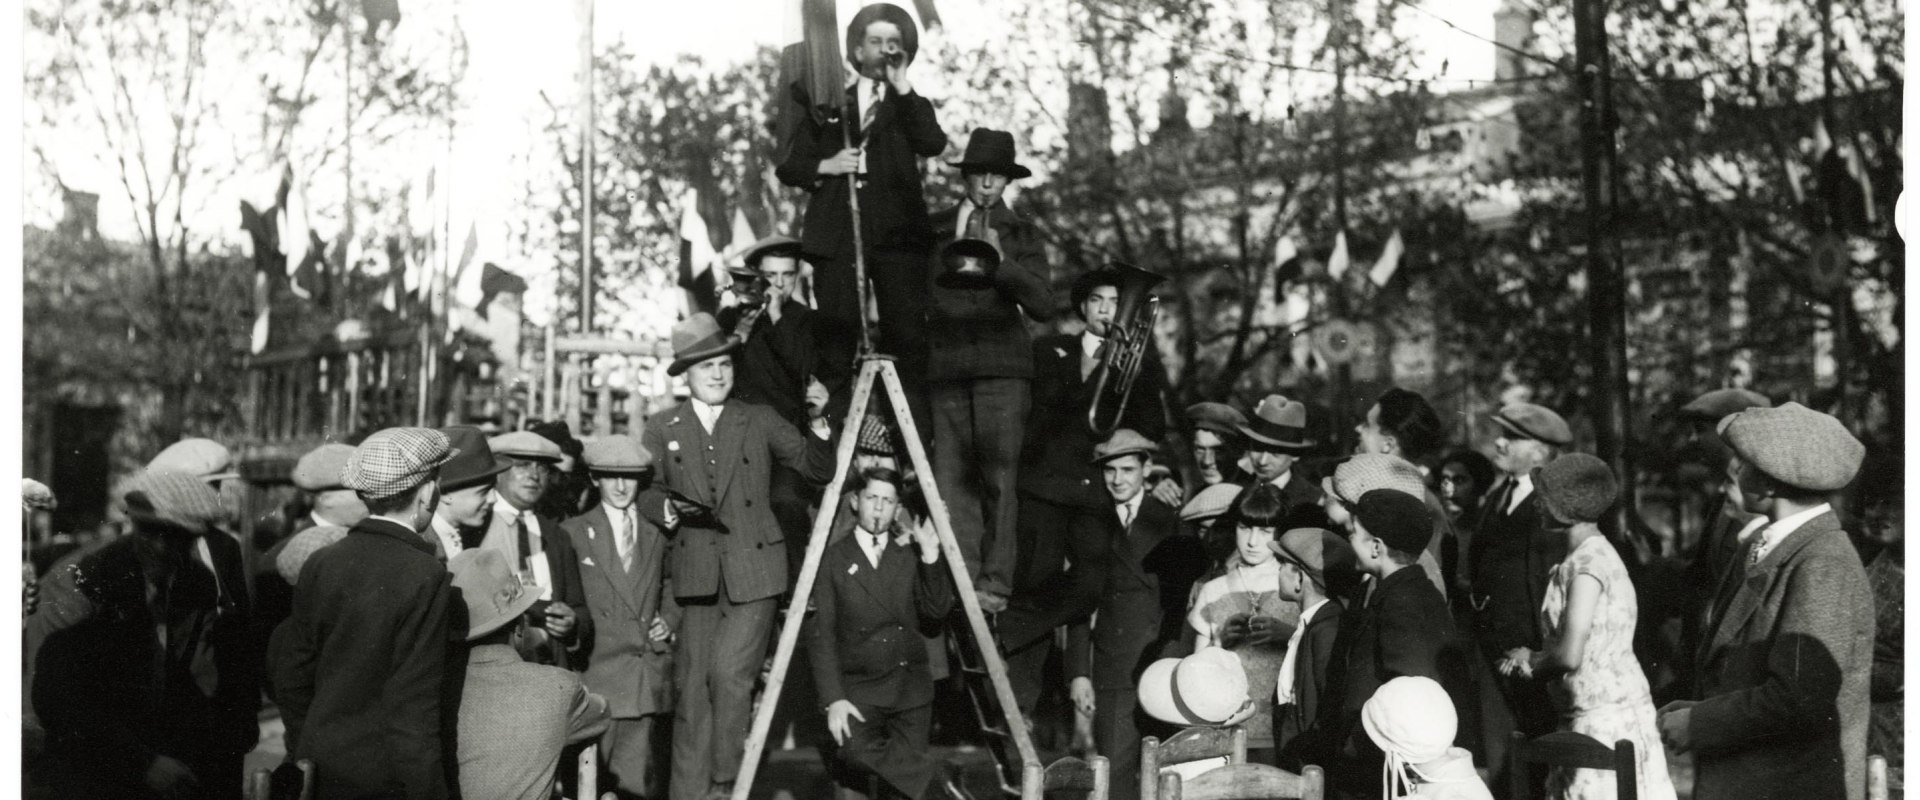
point(361, 667)
point(91, 650)
point(1301, 489)
point(979, 333)
point(867, 644)
point(563, 567)
point(773, 366)
point(1312, 668)
point(1784, 672)
point(1056, 463)
point(1509, 559)
point(730, 472)
point(634, 673)
point(893, 207)
point(515, 718)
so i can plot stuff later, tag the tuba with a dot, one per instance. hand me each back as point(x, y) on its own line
point(1125, 351)
point(970, 261)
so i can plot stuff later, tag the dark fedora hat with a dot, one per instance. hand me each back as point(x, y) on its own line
point(696, 339)
point(992, 151)
point(884, 12)
point(474, 464)
point(1278, 424)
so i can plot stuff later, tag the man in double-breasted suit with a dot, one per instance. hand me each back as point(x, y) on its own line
point(629, 595)
point(728, 558)
point(876, 598)
point(1784, 669)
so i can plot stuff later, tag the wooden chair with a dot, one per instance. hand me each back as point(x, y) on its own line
point(1192, 744)
point(1089, 779)
point(1575, 750)
point(260, 783)
point(1245, 782)
point(1876, 778)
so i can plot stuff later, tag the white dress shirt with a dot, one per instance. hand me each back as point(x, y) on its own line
point(1522, 488)
point(448, 535)
point(1284, 479)
point(1283, 694)
point(873, 544)
point(1090, 344)
point(1747, 531)
point(1772, 534)
point(618, 519)
point(1130, 510)
point(709, 415)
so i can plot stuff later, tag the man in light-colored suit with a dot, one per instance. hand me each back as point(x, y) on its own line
point(622, 560)
point(515, 717)
point(729, 557)
point(1783, 672)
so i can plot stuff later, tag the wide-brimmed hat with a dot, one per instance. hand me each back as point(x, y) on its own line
point(319, 469)
point(302, 546)
point(1124, 442)
point(395, 460)
point(1314, 551)
point(1576, 487)
point(1212, 502)
point(1220, 418)
point(1363, 473)
point(1206, 688)
point(989, 150)
point(1278, 424)
point(205, 459)
point(1795, 445)
point(1529, 421)
point(775, 245)
point(1411, 717)
point(617, 455)
point(1717, 404)
point(494, 594)
point(475, 462)
point(696, 339)
point(174, 498)
point(883, 12)
point(1398, 519)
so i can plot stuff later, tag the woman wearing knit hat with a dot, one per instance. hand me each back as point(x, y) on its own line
point(1412, 721)
point(1589, 617)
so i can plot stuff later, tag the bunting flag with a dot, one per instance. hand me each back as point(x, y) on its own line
point(1286, 266)
point(1389, 261)
point(293, 238)
point(1843, 187)
point(812, 75)
point(1338, 262)
point(929, 16)
point(743, 236)
point(494, 282)
point(261, 229)
point(698, 254)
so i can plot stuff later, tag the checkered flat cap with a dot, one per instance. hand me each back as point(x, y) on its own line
point(1369, 471)
point(1795, 445)
point(395, 460)
point(174, 497)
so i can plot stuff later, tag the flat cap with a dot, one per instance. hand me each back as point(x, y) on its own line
point(175, 498)
point(1795, 445)
point(395, 460)
point(319, 469)
point(1124, 442)
point(302, 546)
point(1717, 404)
point(526, 444)
point(1220, 418)
point(1369, 471)
point(1210, 502)
point(1314, 551)
point(1530, 421)
point(1396, 518)
point(876, 436)
point(1576, 487)
point(616, 454)
point(205, 459)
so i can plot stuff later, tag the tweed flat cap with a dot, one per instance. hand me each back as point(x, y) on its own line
point(1396, 518)
point(205, 459)
point(1530, 421)
point(527, 445)
point(319, 469)
point(1211, 502)
point(1220, 418)
point(395, 460)
point(1369, 471)
point(1314, 551)
point(175, 498)
point(1124, 442)
point(1717, 404)
point(302, 546)
point(616, 454)
point(1795, 445)
point(1576, 487)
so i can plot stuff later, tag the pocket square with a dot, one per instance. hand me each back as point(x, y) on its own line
point(586, 561)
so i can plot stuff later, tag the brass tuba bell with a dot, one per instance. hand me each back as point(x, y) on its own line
point(1129, 337)
point(971, 261)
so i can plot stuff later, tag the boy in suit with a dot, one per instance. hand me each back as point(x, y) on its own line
point(1309, 559)
point(630, 597)
point(535, 545)
point(876, 598)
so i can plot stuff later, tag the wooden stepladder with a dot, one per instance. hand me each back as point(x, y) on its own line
point(882, 366)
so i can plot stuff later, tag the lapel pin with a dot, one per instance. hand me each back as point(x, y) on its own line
point(853, 569)
point(587, 561)
point(674, 445)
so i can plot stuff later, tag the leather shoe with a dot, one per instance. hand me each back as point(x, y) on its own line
point(720, 791)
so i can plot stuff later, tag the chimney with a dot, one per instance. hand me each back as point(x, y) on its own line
point(80, 218)
point(1512, 35)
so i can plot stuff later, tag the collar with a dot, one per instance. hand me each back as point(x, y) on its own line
point(400, 522)
point(1090, 344)
point(1284, 479)
point(506, 513)
point(615, 513)
point(441, 526)
point(1306, 614)
point(1132, 506)
point(1746, 531)
point(493, 654)
point(1522, 487)
point(318, 520)
point(705, 411)
point(1772, 534)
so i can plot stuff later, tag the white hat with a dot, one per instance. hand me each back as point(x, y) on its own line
point(1412, 720)
point(1206, 688)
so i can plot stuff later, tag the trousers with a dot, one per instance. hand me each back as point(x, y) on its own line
point(899, 283)
point(891, 743)
point(978, 427)
point(721, 650)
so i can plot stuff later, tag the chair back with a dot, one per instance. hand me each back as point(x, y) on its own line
point(1575, 751)
point(1073, 777)
point(260, 784)
point(1245, 782)
point(1197, 743)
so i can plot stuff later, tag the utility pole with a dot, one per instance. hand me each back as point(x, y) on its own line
point(346, 253)
point(1342, 372)
point(586, 168)
point(1606, 290)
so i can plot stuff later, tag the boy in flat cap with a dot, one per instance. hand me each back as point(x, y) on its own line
point(466, 491)
point(538, 549)
point(1783, 672)
point(1728, 523)
point(1312, 562)
point(361, 667)
point(630, 597)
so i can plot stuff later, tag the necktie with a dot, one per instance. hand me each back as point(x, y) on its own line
point(1087, 363)
point(1126, 515)
point(872, 109)
point(524, 554)
point(874, 549)
point(629, 540)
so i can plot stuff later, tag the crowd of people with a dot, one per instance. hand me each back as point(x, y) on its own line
point(455, 611)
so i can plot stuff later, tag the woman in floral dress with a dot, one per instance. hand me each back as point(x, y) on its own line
point(1589, 616)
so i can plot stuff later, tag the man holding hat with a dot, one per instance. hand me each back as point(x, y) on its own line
point(1276, 438)
point(515, 717)
point(1784, 669)
point(980, 361)
point(536, 547)
point(729, 555)
point(466, 490)
point(1310, 559)
point(623, 569)
point(360, 668)
point(891, 128)
point(139, 667)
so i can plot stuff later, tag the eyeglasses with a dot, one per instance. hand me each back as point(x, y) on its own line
point(538, 469)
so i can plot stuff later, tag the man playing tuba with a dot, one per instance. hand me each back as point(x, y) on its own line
point(989, 269)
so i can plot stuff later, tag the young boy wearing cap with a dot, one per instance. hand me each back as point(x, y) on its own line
point(1310, 559)
point(560, 625)
point(629, 596)
point(515, 717)
point(466, 490)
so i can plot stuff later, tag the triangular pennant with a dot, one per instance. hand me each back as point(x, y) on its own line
point(1338, 262)
point(1384, 268)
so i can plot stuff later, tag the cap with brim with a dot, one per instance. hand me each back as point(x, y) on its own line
point(1314, 551)
point(1220, 418)
point(319, 469)
point(1369, 471)
point(205, 459)
point(1206, 688)
point(697, 339)
point(476, 463)
point(395, 460)
point(1717, 404)
point(883, 12)
point(1411, 717)
point(1124, 442)
point(293, 557)
point(1529, 421)
point(1211, 503)
point(1795, 445)
point(1278, 424)
point(617, 455)
point(526, 445)
point(174, 498)
point(493, 593)
point(775, 245)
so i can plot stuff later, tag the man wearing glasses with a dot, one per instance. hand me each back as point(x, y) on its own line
point(538, 550)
